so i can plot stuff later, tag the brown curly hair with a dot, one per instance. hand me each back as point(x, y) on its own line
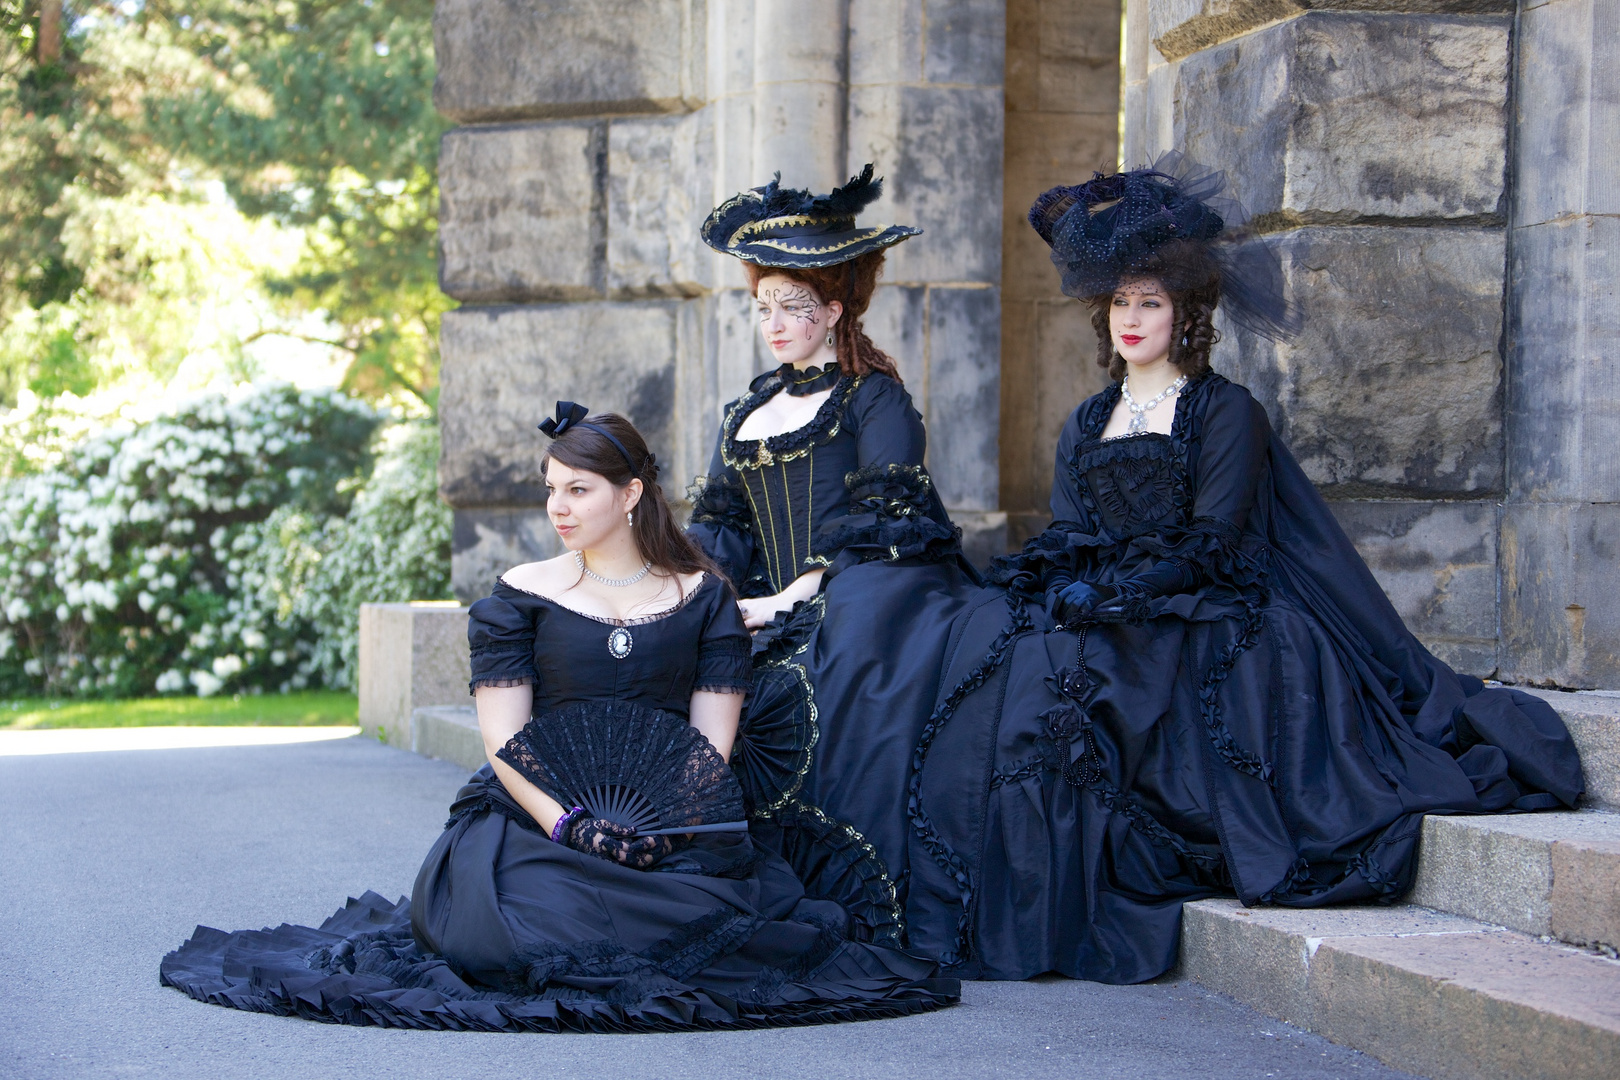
point(852, 285)
point(1194, 313)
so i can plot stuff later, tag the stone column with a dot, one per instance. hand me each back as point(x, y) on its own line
point(925, 104)
point(799, 78)
point(1370, 139)
point(1062, 125)
point(1561, 524)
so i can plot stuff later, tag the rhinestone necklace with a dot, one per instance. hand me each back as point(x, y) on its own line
point(615, 583)
point(1139, 412)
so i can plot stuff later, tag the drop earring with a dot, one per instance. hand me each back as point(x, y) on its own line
point(829, 339)
point(630, 518)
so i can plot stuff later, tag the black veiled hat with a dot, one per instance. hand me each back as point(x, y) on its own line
point(1168, 222)
point(790, 227)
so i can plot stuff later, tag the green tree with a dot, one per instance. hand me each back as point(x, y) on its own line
point(69, 119)
point(318, 118)
point(319, 114)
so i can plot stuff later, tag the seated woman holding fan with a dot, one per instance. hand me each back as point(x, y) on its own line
point(598, 873)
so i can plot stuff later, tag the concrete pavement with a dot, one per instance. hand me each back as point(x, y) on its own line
point(110, 859)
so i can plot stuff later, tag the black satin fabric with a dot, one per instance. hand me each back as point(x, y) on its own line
point(858, 665)
point(507, 931)
point(1272, 732)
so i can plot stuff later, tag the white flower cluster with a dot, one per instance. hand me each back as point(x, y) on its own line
point(179, 555)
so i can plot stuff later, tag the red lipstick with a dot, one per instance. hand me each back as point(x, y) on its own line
point(1130, 339)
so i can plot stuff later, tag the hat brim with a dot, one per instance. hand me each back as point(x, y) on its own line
point(816, 249)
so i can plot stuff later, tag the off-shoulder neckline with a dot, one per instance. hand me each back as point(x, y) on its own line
point(640, 620)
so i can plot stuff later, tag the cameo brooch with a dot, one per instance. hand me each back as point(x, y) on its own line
point(620, 642)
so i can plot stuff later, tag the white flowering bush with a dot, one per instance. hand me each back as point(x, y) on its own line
point(221, 547)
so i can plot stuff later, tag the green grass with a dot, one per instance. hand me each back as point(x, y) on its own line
point(314, 707)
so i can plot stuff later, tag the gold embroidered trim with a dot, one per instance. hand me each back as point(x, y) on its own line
point(763, 455)
point(799, 249)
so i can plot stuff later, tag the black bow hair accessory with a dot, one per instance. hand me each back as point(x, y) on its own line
point(1170, 221)
point(571, 415)
point(790, 227)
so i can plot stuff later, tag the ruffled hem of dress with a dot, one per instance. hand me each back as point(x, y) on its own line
point(384, 980)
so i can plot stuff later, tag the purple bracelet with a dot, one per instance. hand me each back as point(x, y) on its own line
point(559, 830)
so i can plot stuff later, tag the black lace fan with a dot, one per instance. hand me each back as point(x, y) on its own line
point(775, 739)
point(638, 767)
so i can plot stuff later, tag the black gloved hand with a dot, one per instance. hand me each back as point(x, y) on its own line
point(616, 843)
point(1073, 603)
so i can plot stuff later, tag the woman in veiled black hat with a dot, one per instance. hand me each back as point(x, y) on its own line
point(1194, 687)
point(818, 505)
point(597, 874)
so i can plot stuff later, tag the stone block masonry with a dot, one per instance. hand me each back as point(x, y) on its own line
point(412, 656)
point(1433, 176)
point(594, 137)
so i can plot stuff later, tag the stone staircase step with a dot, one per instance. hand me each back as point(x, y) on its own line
point(449, 733)
point(1546, 874)
point(1426, 991)
point(1593, 719)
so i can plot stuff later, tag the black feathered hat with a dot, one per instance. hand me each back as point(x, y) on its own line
point(790, 227)
point(1168, 222)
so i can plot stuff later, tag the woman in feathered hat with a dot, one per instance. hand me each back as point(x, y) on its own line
point(1196, 687)
point(818, 505)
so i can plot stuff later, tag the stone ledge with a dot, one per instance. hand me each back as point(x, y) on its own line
point(1181, 29)
point(1552, 874)
point(1421, 990)
point(449, 733)
point(411, 655)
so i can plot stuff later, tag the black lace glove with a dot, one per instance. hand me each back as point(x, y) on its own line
point(617, 843)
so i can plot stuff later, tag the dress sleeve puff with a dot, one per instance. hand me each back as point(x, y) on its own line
point(894, 510)
point(500, 635)
point(723, 521)
point(724, 649)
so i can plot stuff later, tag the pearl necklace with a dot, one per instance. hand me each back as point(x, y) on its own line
point(1139, 412)
point(615, 583)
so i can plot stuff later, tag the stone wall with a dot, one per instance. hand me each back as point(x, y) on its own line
point(1439, 179)
point(1062, 125)
point(594, 135)
point(1369, 141)
point(1561, 523)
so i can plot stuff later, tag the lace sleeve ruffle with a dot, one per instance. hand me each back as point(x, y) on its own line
point(500, 637)
point(890, 518)
point(721, 501)
point(723, 526)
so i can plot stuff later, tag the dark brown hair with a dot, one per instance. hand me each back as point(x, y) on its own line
point(1192, 335)
point(659, 539)
point(852, 285)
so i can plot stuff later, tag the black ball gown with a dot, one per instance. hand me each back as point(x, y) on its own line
point(1255, 720)
point(843, 684)
point(506, 930)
